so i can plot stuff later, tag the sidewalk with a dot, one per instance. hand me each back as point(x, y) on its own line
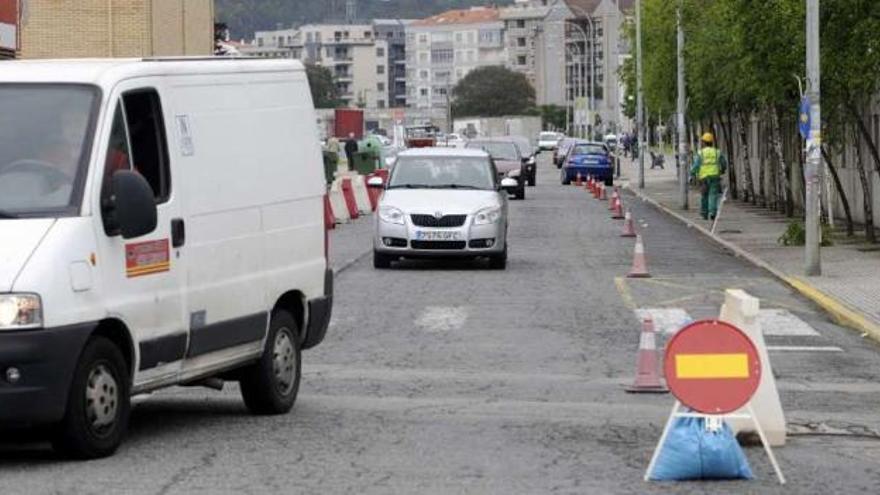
point(849, 288)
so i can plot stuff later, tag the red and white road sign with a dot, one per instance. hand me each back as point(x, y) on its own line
point(712, 367)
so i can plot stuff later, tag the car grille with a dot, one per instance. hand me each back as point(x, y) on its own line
point(439, 245)
point(432, 221)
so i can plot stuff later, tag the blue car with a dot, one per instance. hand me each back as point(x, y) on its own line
point(588, 158)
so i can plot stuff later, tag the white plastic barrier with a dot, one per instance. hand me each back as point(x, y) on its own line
point(337, 202)
point(361, 196)
point(741, 310)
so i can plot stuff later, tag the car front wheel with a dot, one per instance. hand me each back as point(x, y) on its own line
point(270, 385)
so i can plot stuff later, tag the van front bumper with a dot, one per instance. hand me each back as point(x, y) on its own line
point(320, 312)
point(46, 360)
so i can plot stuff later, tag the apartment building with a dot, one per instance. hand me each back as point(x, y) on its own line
point(443, 49)
point(393, 31)
point(523, 24)
point(119, 28)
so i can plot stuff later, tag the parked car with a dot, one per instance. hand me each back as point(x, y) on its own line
point(442, 202)
point(147, 243)
point(562, 151)
point(508, 161)
point(548, 141)
point(530, 157)
point(588, 158)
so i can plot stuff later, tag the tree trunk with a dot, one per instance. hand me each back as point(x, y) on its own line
point(784, 168)
point(744, 128)
point(727, 126)
point(865, 134)
point(866, 190)
point(762, 163)
point(850, 229)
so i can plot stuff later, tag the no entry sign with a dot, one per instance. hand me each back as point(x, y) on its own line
point(712, 367)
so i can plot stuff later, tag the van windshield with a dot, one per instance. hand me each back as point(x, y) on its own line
point(44, 143)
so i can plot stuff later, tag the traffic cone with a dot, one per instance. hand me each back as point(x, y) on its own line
point(611, 200)
point(648, 363)
point(617, 212)
point(629, 227)
point(578, 180)
point(640, 264)
point(602, 194)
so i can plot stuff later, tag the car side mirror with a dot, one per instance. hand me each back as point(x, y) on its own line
point(375, 182)
point(509, 185)
point(130, 210)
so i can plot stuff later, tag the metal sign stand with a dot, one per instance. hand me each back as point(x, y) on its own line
point(720, 209)
point(677, 413)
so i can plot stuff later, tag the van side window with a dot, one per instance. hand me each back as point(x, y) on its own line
point(118, 150)
point(146, 133)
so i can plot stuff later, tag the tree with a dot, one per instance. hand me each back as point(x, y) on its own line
point(552, 116)
point(323, 86)
point(492, 92)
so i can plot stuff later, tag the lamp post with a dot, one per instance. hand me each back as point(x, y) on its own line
point(813, 169)
point(575, 56)
point(640, 105)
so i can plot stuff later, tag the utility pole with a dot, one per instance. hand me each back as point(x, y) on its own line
point(640, 109)
point(813, 169)
point(683, 165)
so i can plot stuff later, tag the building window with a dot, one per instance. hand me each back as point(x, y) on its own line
point(423, 91)
point(380, 52)
point(520, 23)
point(423, 75)
point(459, 38)
point(423, 39)
point(380, 87)
point(442, 56)
point(470, 37)
point(521, 42)
point(380, 69)
point(368, 34)
point(423, 58)
point(259, 41)
point(380, 103)
point(444, 37)
point(521, 60)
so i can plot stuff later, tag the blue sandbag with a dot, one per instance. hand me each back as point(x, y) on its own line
point(693, 453)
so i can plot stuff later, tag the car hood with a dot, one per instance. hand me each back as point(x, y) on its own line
point(445, 201)
point(21, 238)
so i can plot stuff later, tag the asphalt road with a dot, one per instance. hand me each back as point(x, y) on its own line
point(450, 378)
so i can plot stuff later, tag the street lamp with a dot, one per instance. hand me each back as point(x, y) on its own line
point(574, 55)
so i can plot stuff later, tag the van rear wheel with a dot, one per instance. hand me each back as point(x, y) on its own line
point(98, 404)
point(270, 385)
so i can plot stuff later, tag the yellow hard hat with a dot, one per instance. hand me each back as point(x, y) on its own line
point(708, 138)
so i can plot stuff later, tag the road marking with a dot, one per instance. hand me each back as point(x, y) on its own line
point(436, 319)
point(795, 348)
point(782, 323)
point(666, 320)
point(625, 293)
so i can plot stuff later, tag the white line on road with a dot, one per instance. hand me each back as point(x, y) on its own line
point(782, 323)
point(795, 348)
point(437, 319)
point(666, 320)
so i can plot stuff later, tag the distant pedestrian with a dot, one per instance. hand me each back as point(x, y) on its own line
point(351, 147)
point(709, 166)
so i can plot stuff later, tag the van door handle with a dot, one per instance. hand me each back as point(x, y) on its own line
point(178, 233)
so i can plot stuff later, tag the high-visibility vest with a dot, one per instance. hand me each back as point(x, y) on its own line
point(709, 166)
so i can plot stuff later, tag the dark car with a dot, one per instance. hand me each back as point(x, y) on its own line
point(588, 158)
point(508, 160)
point(530, 157)
point(562, 151)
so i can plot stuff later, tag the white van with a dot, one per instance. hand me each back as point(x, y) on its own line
point(161, 223)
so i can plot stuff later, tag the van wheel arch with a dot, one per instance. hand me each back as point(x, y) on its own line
point(294, 302)
point(118, 333)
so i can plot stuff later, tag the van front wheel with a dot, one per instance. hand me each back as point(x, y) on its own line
point(98, 404)
point(270, 385)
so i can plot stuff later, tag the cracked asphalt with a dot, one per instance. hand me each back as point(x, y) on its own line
point(449, 378)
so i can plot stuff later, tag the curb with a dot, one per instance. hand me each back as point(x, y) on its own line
point(839, 311)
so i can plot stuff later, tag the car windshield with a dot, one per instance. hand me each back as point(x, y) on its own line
point(499, 150)
point(548, 136)
point(446, 172)
point(44, 143)
point(588, 149)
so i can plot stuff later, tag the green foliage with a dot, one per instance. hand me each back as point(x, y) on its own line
point(323, 86)
point(493, 92)
point(246, 16)
point(796, 235)
point(552, 116)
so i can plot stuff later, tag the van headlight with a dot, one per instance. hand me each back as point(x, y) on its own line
point(391, 214)
point(487, 216)
point(20, 311)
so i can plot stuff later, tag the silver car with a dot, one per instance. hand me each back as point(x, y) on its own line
point(442, 202)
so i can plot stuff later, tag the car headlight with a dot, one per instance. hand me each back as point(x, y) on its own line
point(20, 311)
point(514, 173)
point(532, 161)
point(487, 216)
point(391, 214)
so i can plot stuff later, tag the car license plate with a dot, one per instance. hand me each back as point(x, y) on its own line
point(437, 235)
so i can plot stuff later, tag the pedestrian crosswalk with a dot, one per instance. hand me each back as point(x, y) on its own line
point(777, 323)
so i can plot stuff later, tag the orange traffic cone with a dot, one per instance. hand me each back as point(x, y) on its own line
point(640, 264)
point(617, 212)
point(602, 195)
point(612, 199)
point(629, 227)
point(648, 364)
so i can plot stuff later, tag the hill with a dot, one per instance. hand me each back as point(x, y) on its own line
point(246, 16)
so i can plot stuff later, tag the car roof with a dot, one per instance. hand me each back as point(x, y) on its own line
point(444, 152)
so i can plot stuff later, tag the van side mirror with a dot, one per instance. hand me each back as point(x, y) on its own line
point(130, 210)
point(375, 182)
